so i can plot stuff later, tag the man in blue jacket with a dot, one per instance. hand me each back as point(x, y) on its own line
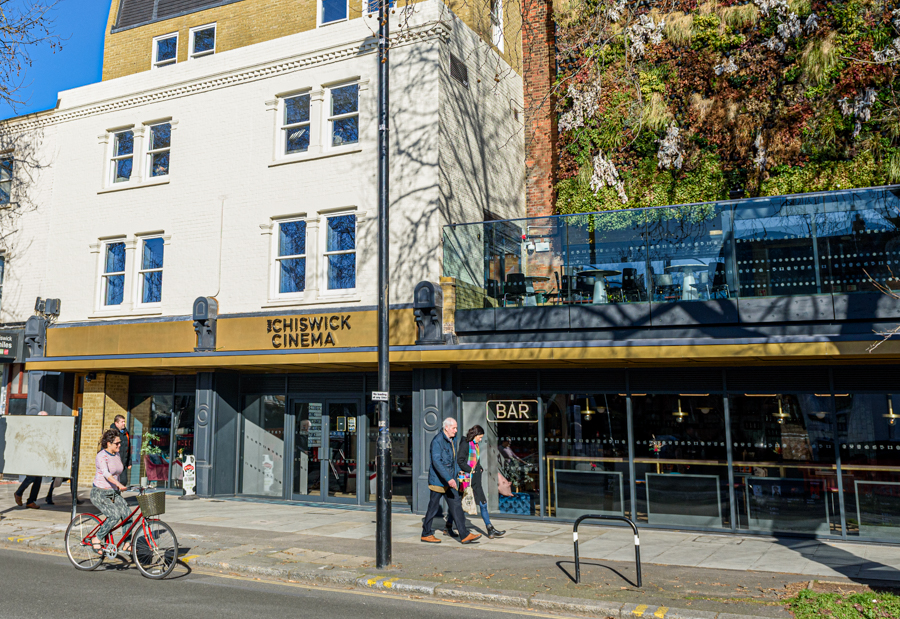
point(442, 481)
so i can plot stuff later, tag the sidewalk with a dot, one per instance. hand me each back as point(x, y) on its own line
point(532, 566)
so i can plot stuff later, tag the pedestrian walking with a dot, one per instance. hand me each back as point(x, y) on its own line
point(30, 480)
point(118, 424)
point(442, 482)
point(470, 473)
point(106, 491)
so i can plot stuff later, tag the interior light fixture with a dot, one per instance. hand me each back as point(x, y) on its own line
point(679, 414)
point(587, 412)
point(891, 417)
point(780, 416)
point(761, 395)
point(705, 409)
point(693, 395)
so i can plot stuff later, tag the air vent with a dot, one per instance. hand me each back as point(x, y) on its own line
point(458, 71)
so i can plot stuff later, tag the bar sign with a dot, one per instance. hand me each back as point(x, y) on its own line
point(379, 396)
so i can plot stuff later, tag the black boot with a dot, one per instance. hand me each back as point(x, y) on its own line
point(492, 532)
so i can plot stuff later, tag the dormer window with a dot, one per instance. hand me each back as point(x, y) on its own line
point(164, 50)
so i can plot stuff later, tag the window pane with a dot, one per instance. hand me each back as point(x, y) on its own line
point(296, 139)
point(341, 233)
point(115, 290)
point(160, 136)
point(165, 49)
point(342, 271)
point(204, 40)
point(152, 285)
point(346, 131)
point(6, 168)
point(333, 10)
point(345, 100)
point(373, 5)
point(292, 277)
point(296, 110)
point(153, 254)
point(115, 258)
point(159, 164)
point(5, 187)
point(124, 143)
point(292, 238)
point(123, 170)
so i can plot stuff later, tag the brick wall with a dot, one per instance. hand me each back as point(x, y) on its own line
point(539, 72)
point(104, 397)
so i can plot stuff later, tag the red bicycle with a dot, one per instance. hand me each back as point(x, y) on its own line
point(154, 547)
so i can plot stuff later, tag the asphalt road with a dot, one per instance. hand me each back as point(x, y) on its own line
point(46, 585)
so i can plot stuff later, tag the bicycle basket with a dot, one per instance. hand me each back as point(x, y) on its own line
point(152, 504)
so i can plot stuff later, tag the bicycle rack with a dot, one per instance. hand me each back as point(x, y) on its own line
point(637, 543)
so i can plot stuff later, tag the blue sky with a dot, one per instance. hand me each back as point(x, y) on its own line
point(81, 24)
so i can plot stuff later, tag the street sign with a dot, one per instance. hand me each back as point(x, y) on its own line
point(380, 396)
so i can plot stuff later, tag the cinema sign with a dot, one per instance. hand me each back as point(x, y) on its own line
point(512, 411)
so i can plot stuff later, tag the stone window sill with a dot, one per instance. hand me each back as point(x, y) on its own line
point(130, 185)
point(118, 313)
point(314, 156)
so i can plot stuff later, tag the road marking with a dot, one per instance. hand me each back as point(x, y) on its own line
point(661, 612)
point(188, 558)
point(639, 611)
point(371, 582)
point(20, 539)
point(389, 583)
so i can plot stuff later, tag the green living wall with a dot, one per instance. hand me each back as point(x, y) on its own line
point(676, 102)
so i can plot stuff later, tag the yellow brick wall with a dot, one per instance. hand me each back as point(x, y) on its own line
point(104, 397)
point(253, 21)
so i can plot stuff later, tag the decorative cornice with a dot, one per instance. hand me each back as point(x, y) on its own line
point(425, 32)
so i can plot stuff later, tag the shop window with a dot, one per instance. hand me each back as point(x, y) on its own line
point(869, 444)
point(784, 463)
point(203, 41)
point(290, 263)
point(113, 278)
point(162, 427)
point(151, 271)
point(17, 390)
point(122, 160)
point(586, 455)
point(262, 446)
point(159, 147)
point(344, 117)
point(295, 128)
point(340, 252)
point(165, 49)
point(680, 460)
point(6, 178)
point(401, 447)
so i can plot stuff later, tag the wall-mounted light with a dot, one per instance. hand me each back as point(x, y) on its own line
point(90, 376)
point(679, 414)
point(891, 417)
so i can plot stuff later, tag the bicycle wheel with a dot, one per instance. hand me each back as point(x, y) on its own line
point(155, 549)
point(78, 542)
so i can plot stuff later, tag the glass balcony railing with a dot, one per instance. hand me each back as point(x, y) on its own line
point(826, 247)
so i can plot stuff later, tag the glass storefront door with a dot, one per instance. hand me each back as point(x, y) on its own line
point(326, 449)
point(162, 427)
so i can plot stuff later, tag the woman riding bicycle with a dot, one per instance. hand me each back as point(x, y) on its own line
point(106, 492)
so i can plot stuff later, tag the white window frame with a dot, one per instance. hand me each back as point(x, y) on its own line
point(155, 64)
point(283, 126)
point(139, 260)
point(10, 157)
point(148, 157)
point(276, 261)
point(368, 3)
point(113, 159)
point(191, 54)
point(104, 276)
point(323, 273)
point(496, 17)
point(320, 14)
point(329, 119)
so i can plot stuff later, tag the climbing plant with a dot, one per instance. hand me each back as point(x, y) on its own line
point(680, 101)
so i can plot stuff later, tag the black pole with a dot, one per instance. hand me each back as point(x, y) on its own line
point(76, 456)
point(383, 446)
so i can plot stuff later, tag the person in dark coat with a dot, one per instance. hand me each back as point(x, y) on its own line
point(118, 425)
point(442, 481)
point(468, 458)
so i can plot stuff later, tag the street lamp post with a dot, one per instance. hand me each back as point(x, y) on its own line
point(384, 488)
